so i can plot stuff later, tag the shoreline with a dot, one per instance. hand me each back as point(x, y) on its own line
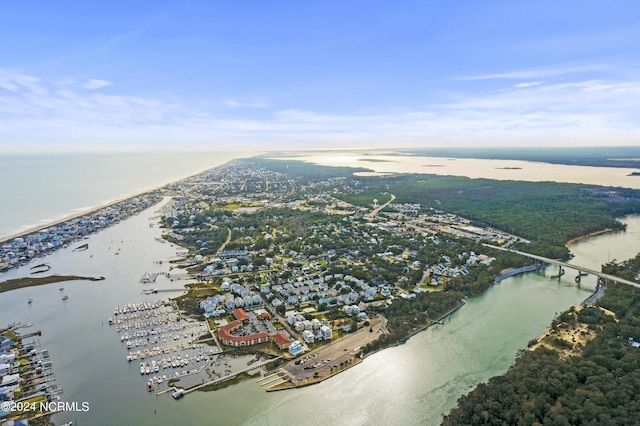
point(511, 272)
point(426, 326)
point(72, 216)
point(585, 236)
point(34, 229)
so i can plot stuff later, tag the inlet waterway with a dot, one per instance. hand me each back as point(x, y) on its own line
point(414, 383)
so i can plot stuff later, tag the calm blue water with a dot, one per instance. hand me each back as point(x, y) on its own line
point(37, 189)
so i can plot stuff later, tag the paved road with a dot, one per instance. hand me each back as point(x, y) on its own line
point(379, 208)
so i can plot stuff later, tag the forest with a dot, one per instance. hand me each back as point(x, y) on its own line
point(547, 213)
point(406, 316)
point(627, 269)
point(621, 156)
point(595, 388)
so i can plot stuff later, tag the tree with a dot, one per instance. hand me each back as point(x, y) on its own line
point(281, 309)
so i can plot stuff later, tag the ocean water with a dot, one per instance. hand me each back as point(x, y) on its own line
point(36, 189)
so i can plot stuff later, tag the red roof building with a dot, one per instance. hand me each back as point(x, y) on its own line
point(282, 341)
point(227, 338)
point(240, 314)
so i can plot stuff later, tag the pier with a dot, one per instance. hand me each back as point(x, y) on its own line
point(274, 379)
point(27, 373)
point(230, 376)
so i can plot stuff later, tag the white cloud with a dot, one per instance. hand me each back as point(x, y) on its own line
point(93, 84)
point(538, 72)
point(528, 84)
point(574, 112)
point(14, 82)
point(8, 85)
point(234, 103)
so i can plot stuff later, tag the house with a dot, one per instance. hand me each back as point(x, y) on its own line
point(240, 314)
point(5, 369)
point(326, 331)
point(281, 341)
point(295, 347)
point(10, 380)
point(308, 336)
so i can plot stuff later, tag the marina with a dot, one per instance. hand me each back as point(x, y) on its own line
point(26, 373)
point(432, 370)
point(156, 333)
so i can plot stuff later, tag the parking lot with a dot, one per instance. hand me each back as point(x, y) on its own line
point(326, 360)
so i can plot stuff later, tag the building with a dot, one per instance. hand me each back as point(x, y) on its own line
point(225, 333)
point(295, 347)
point(240, 314)
point(282, 341)
point(327, 333)
point(308, 336)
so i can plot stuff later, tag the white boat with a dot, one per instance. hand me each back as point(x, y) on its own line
point(142, 365)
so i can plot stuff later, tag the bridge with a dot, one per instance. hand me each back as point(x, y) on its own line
point(567, 265)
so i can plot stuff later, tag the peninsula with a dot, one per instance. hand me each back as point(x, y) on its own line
point(317, 255)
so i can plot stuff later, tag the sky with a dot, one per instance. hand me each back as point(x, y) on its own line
point(258, 75)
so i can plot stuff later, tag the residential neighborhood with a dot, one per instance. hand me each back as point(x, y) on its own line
point(20, 250)
point(293, 264)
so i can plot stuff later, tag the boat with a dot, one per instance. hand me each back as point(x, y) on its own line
point(65, 297)
point(178, 393)
point(61, 288)
point(150, 386)
point(30, 301)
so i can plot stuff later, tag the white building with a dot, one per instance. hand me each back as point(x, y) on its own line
point(308, 336)
point(326, 331)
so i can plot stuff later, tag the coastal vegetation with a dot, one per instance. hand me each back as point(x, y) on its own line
point(32, 282)
point(546, 213)
point(622, 156)
point(549, 214)
point(406, 316)
point(627, 269)
point(586, 370)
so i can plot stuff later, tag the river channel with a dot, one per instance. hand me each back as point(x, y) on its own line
point(414, 383)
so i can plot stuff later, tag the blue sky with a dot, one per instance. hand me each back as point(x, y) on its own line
point(290, 74)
